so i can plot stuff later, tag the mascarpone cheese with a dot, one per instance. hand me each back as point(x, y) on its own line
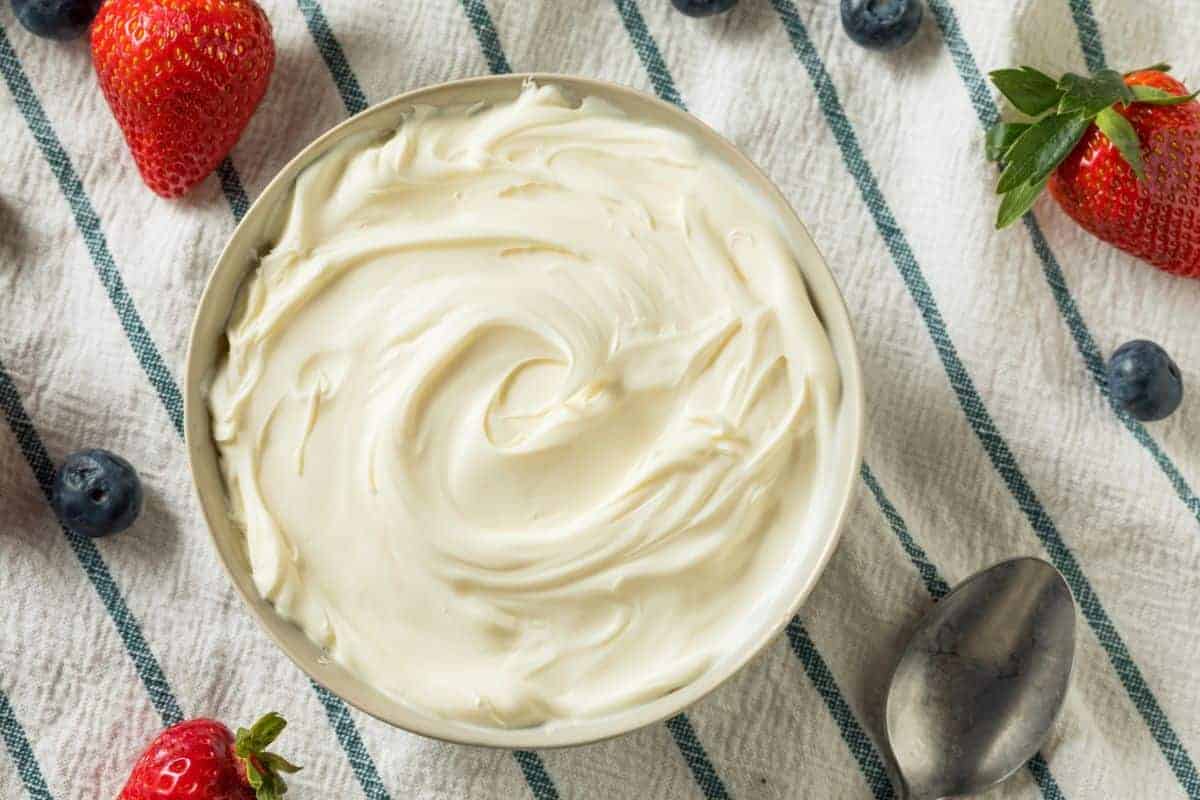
point(525, 411)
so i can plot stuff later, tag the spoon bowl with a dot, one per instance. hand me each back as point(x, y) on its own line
point(982, 680)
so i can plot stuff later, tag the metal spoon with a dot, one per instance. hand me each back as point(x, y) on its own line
point(982, 680)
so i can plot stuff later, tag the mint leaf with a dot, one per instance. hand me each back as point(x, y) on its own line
point(1157, 97)
point(1001, 136)
point(1029, 90)
point(1018, 201)
point(274, 786)
point(1124, 137)
point(1089, 95)
point(1040, 149)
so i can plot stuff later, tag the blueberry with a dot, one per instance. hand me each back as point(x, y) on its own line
point(881, 24)
point(703, 8)
point(1144, 380)
point(56, 19)
point(96, 493)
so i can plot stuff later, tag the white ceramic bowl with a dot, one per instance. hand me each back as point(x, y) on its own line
point(240, 257)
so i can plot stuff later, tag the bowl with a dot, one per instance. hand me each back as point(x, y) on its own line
point(207, 344)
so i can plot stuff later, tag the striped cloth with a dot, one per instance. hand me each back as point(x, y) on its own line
point(990, 430)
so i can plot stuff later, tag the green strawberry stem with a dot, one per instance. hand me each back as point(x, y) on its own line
point(263, 769)
point(1062, 113)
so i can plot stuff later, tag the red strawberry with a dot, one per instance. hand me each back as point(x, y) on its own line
point(201, 760)
point(182, 77)
point(1121, 155)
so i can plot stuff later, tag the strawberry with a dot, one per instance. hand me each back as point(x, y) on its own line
point(1120, 154)
point(182, 78)
point(201, 760)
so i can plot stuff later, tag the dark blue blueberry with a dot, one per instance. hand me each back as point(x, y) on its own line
point(97, 493)
point(56, 19)
point(1144, 380)
point(703, 8)
point(881, 24)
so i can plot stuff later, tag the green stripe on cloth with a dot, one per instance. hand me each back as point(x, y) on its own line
point(127, 626)
point(1089, 34)
point(536, 775)
point(1040, 770)
point(231, 186)
point(93, 235)
point(934, 582)
point(1130, 675)
point(937, 587)
point(351, 741)
point(1085, 343)
point(21, 753)
point(697, 760)
point(647, 50)
point(485, 32)
point(856, 739)
point(977, 415)
point(335, 58)
point(860, 744)
point(168, 391)
point(988, 113)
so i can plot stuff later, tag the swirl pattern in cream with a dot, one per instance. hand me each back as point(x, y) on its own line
point(524, 410)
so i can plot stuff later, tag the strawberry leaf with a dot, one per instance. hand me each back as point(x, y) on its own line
point(1030, 91)
point(1018, 201)
point(1157, 97)
point(253, 776)
point(1161, 66)
point(266, 731)
point(242, 743)
point(1089, 95)
point(262, 768)
point(273, 787)
point(1041, 148)
point(1124, 137)
point(278, 763)
point(1000, 138)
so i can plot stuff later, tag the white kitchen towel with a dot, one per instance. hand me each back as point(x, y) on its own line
point(989, 431)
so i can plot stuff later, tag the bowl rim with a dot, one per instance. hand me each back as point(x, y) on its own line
point(198, 440)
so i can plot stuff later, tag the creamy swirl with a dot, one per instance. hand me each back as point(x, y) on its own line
point(525, 409)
